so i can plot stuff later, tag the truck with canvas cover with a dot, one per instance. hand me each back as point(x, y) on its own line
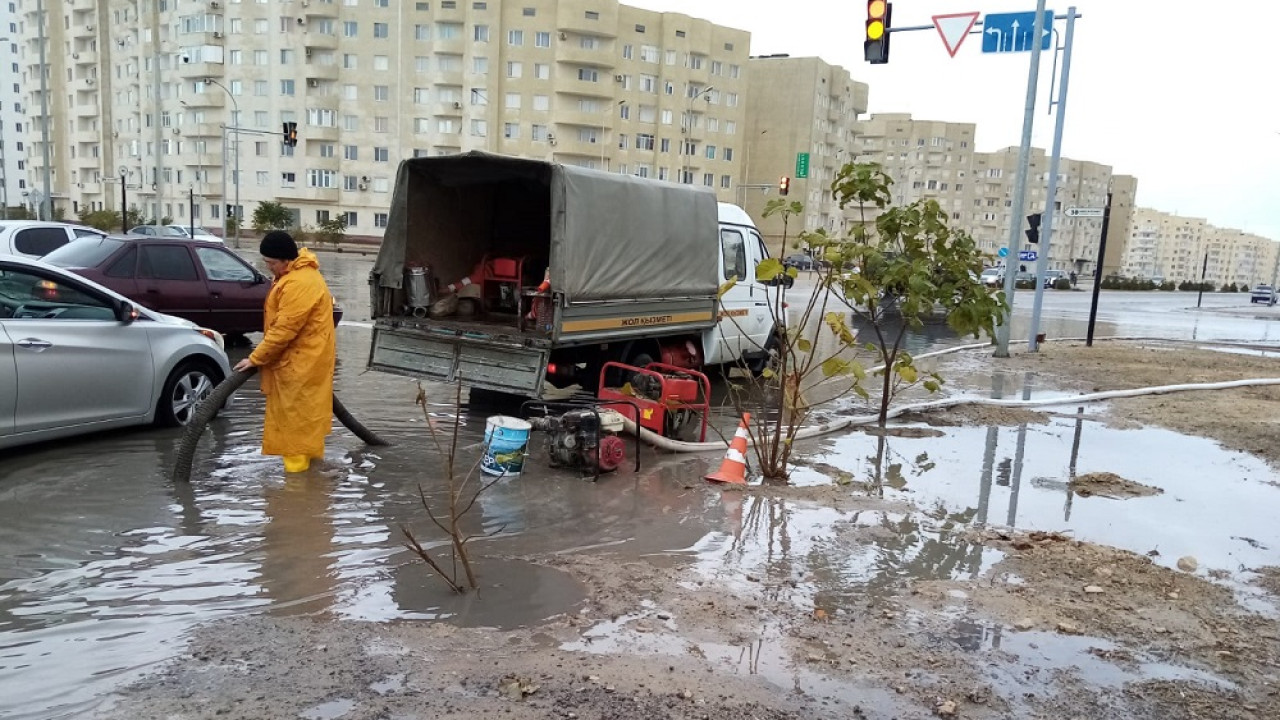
point(510, 274)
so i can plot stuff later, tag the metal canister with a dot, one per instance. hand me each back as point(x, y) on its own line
point(417, 287)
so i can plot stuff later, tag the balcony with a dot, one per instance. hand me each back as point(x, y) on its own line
point(320, 41)
point(571, 52)
point(317, 132)
point(448, 109)
point(319, 71)
point(310, 194)
point(586, 88)
point(598, 119)
point(571, 18)
point(87, 110)
point(574, 146)
point(449, 46)
point(89, 188)
point(213, 98)
point(201, 70)
point(85, 57)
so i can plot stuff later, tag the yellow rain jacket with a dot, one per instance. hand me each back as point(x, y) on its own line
point(296, 360)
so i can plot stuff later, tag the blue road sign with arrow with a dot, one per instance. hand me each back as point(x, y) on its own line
point(1011, 32)
point(1003, 252)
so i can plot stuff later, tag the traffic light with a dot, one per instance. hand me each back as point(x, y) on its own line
point(784, 185)
point(291, 134)
point(876, 46)
point(1033, 233)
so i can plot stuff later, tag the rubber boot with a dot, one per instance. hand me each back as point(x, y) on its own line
point(296, 463)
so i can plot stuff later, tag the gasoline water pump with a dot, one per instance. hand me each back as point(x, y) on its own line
point(584, 436)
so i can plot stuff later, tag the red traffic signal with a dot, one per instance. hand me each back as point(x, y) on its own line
point(875, 48)
point(784, 185)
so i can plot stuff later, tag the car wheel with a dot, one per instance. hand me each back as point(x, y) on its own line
point(189, 383)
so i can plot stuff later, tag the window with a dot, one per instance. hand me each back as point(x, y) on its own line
point(350, 152)
point(541, 102)
point(649, 54)
point(421, 32)
point(593, 15)
point(421, 125)
point(542, 39)
point(734, 250)
point(711, 152)
point(731, 99)
point(221, 266)
point(236, 57)
point(350, 92)
point(725, 181)
point(264, 177)
point(261, 57)
point(480, 33)
point(380, 62)
point(514, 69)
point(39, 241)
point(542, 71)
point(381, 185)
point(511, 131)
point(350, 62)
point(648, 83)
point(666, 145)
point(260, 149)
point(512, 101)
point(588, 74)
point(588, 42)
point(167, 262)
point(381, 93)
point(448, 31)
point(708, 179)
point(260, 88)
point(529, 12)
point(350, 28)
point(627, 52)
point(321, 178)
point(125, 266)
point(421, 96)
point(326, 150)
point(479, 128)
point(351, 217)
point(350, 183)
point(734, 71)
point(381, 124)
point(350, 122)
point(644, 141)
point(286, 87)
point(380, 30)
point(538, 133)
point(480, 65)
point(666, 117)
point(671, 57)
point(380, 220)
point(381, 154)
point(515, 37)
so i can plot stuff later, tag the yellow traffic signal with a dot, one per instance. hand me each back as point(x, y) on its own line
point(876, 46)
point(784, 185)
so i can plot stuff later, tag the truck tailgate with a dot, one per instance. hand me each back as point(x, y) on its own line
point(478, 362)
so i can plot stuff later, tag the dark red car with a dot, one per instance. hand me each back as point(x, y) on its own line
point(203, 282)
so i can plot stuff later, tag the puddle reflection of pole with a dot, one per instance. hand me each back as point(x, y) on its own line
point(1071, 470)
point(989, 457)
point(1018, 455)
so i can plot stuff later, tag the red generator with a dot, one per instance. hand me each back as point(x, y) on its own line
point(671, 401)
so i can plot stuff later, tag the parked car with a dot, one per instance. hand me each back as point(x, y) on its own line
point(1053, 276)
point(992, 277)
point(800, 261)
point(76, 357)
point(200, 234)
point(203, 282)
point(36, 238)
point(1263, 294)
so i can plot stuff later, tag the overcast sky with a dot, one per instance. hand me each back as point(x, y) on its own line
point(1154, 93)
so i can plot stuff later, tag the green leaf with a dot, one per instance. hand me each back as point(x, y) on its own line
point(862, 392)
point(907, 373)
point(767, 374)
point(835, 366)
point(726, 287)
point(932, 386)
point(804, 345)
point(769, 269)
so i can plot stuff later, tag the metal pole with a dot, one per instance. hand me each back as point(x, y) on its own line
point(236, 105)
point(124, 206)
point(159, 131)
point(1020, 190)
point(191, 209)
point(223, 197)
point(46, 203)
point(1046, 233)
point(1204, 269)
point(1097, 270)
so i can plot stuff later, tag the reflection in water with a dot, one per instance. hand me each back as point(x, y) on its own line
point(297, 544)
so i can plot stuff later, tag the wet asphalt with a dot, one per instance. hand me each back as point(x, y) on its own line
point(105, 564)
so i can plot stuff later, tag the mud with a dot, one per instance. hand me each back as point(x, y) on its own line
point(1110, 485)
point(884, 584)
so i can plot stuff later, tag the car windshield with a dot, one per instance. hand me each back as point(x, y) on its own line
point(84, 252)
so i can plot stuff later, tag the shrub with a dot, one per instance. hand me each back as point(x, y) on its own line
point(1062, 284)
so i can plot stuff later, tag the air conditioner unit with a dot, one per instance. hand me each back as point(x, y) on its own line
point(88, 28)
point(307, 52)
point(75, 56)
point(177, 131)
point(564, 36)
point(215, 4)
point(302, 21)
point(306, 3)
point(619, 78)
point(79, 185)
point(313, 83)
point(216, 35)
point(88, 81)
point(364, 186)
point(457, 105)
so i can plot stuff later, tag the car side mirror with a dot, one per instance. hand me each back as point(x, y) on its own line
point(259, 278)
point(125, 311)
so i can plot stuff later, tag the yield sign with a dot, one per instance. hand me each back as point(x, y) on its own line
point(954, 28)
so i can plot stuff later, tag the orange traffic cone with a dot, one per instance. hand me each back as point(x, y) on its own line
point(733, 469)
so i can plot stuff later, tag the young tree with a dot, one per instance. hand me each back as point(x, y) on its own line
point(332, 231)
point(899, 268)
point(105, 220)
point(271, 215)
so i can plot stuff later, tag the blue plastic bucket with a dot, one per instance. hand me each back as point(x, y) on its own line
point(505, 441)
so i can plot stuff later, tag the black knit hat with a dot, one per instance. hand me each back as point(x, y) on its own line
point(278, 245)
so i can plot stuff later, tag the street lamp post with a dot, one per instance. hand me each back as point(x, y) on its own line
point(46, 202)
point(236, 130)
point(687, 150)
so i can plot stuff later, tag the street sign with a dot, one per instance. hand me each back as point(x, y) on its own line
point(1003, 252)
point(1011, 32)
point(802, 165)
point(954, 28)
point(1085, 212)
point(1027, 255)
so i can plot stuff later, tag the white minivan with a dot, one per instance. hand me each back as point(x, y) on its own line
point(37, 238)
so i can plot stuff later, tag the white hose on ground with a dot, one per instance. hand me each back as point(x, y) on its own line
point(812, 431)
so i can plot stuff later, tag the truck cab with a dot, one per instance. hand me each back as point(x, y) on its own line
point(745, 319)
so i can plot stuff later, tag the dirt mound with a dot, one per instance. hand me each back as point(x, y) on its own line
point(1110, 485)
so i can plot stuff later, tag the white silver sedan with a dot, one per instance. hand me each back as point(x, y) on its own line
point(76, 357)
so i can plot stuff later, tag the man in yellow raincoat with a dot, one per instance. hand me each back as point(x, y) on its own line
point(296, 356)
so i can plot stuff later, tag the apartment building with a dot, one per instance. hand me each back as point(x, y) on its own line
point(13, 180)
point(939, 160)
point(801, 114)
point(370, 83)
point(1168, 246)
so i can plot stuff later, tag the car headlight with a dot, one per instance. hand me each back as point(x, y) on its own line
point(213, 335)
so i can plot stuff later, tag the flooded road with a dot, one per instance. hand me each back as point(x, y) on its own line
point(106, 565)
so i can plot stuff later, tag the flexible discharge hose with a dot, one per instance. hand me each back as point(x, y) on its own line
point(664, 443)
point(218, 397)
